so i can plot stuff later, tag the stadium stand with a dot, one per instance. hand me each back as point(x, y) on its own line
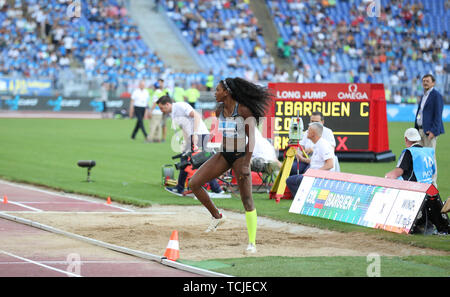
point(225, 34)
point(336, 41)
point(23, 52)
point(327, 41)
point(102, 40)
point(41, 38)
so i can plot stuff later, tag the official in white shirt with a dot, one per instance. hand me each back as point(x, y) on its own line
point(138, 105)
point(308, 145)
point(317, 117)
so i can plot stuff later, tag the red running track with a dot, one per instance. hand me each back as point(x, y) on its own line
point(27, 251)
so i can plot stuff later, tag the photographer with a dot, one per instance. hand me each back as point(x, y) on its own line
point(195, 134)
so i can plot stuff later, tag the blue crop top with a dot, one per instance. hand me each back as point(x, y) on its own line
point(232, 127)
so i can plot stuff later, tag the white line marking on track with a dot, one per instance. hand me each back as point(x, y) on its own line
point(40, 264)
point(136, 253)
point(25, 206)
point(81, 262)
point(95, 212)
point(61, 194)
point(59, 202)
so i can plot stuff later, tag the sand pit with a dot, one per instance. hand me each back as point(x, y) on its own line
point(149, 229)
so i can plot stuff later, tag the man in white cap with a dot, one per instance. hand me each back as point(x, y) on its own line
point(416, 163)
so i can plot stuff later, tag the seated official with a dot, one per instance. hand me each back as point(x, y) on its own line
point(416, 163)
point(327, 134)
point(322, 157)
point(307, 144)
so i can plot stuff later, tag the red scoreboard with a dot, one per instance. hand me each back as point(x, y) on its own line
point(356, 113)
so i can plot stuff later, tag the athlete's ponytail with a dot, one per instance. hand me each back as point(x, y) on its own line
point(254, 97)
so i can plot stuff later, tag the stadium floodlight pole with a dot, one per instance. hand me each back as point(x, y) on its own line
point(87, 164)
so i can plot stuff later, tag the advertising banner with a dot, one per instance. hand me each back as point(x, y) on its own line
point(59, 103)
point(407, 113)
point(380, 204)
point(20, 86)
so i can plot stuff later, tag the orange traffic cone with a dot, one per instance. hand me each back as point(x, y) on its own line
point(173, 247)
point(108, 201)
point(5, 199)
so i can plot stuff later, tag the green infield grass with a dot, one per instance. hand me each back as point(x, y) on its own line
point(45, 152)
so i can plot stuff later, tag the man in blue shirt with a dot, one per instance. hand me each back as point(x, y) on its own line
point(416, 163)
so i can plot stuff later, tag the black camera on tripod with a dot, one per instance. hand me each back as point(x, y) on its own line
point(261, 165)
point(196, 159)
point(184, 161)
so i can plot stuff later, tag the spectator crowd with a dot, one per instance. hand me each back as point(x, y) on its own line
point(326, 40)
point(404, 41)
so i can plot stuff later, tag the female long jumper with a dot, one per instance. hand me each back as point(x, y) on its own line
point(240, 106)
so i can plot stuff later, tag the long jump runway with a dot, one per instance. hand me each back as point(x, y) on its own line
point(29, 249)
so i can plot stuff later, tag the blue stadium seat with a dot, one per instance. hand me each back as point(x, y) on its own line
point(435, 17)
point(233, 11)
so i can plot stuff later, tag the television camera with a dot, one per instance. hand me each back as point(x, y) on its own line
point(196, 159)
